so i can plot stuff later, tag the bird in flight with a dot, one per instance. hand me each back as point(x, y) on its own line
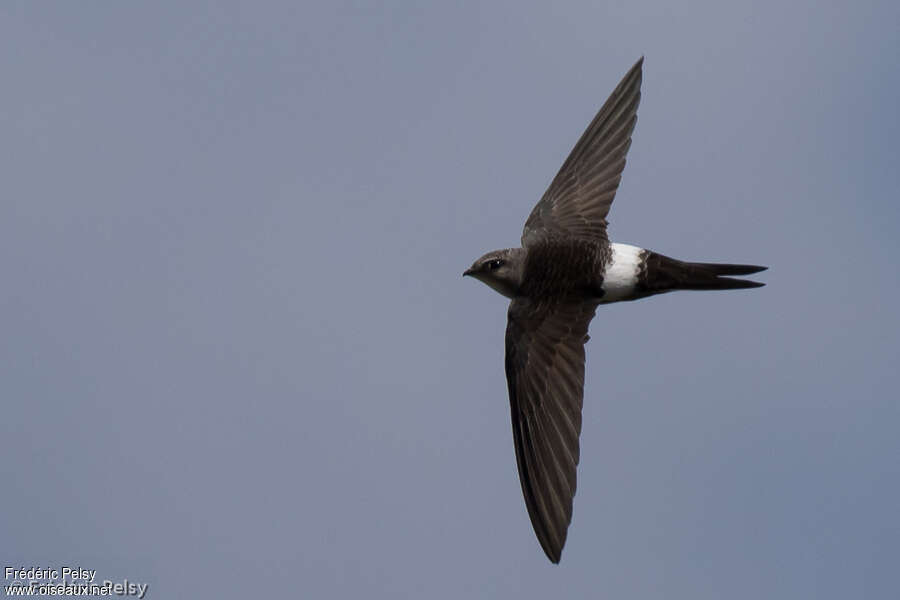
point(565, 268)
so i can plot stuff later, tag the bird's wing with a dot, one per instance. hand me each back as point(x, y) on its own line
point(580, 195)
point(545, 374)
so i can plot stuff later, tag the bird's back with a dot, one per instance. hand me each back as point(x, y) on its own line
point(564, 267)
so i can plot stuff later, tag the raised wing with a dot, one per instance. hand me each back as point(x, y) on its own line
point(580, 195)
point(545, 374)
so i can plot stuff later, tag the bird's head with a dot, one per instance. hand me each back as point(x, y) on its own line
point(500, 269)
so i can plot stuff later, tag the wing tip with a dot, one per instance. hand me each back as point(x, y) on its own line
point(638, 66)
point(554, 553)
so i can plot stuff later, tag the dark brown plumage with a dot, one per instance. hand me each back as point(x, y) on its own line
point(565, 235)
point(564, 270)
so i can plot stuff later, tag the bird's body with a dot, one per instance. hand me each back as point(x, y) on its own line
point(560, 266)
point(564, 270)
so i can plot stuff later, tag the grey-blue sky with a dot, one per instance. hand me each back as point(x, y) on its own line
point(238, 351)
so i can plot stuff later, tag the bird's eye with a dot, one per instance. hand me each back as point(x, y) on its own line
point(495, 264)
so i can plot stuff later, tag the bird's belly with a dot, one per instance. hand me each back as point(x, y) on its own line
point(621, 274)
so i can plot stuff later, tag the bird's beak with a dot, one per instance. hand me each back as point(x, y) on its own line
point(468, 272)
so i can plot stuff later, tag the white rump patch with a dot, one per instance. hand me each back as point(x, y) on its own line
point(622, 272)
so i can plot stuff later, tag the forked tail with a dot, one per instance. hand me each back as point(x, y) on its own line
point(663, 274)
